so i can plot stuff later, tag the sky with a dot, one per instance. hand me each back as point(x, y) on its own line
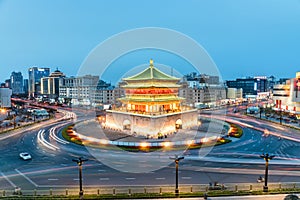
point(243, 38)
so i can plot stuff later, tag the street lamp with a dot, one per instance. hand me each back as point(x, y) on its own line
point(280, 118)
point(266, 157)
point(14, 117)
point(246, 104)
point(176, 160)
point(79, 162)
point(260, 111)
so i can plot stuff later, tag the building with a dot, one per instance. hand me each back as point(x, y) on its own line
point(7, 83)
point(202, 78)
point(25, 86)
point(34, 81)
point(234, 93)
point(271, 82)
point(104, 93)
point(151, 106)
point(16, 83)
point(201, 89)
point(251, 86)
point(5, 97)
point(286, 95)
point(50, 85)
point(119, 92)
point(79, 90)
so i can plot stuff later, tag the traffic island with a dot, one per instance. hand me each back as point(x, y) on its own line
point(235, 131)
point(134, 144)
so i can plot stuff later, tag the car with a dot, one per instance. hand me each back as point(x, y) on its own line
point(260, 179)
point(217, 186)
point(291, 197)
point(25, 156)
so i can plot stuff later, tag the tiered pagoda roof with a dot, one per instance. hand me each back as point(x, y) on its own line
point(151, 79)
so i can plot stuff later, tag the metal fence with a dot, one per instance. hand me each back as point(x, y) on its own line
point(129, 190)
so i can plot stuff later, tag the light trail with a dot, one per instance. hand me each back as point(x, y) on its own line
point(42, 140)
point(263, 130)
point(53, 136)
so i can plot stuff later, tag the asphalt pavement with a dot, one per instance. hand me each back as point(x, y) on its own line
point(235, 162)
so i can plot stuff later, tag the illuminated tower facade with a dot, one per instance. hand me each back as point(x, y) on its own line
point(151, 105)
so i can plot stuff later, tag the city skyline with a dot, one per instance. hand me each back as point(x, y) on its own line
point(243, 38)
point(149, 99)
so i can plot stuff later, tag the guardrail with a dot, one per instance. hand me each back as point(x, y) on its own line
point(158, 190)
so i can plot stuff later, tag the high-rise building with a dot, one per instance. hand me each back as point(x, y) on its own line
point(16, 83)
point(34, 81)
point(50, 85)
point(25, 86)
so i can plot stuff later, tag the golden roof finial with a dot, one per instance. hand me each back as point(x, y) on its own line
point(151, 62)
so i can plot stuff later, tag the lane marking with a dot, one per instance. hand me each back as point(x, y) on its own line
point(7, 179)
point(130, 178)
point(28, 179)
point(160, 178)
point(52, 179)
point(186, 177)
point(104, 179)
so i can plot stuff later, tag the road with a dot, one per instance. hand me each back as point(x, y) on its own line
point(235, 162)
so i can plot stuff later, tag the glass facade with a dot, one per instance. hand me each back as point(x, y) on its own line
point(16, 83)
point(34, 82)
point(250, 86)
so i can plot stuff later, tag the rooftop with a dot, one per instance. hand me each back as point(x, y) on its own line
point(151, 73)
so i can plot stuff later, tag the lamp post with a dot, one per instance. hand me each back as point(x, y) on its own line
point(266, 157)
point(280, 117)
point(79, 162)
point(260, 111)
point(14, 117)
point(176, 160)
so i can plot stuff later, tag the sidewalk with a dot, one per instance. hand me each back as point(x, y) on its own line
point(251, 197)
point(277, 121)
point(29, 126)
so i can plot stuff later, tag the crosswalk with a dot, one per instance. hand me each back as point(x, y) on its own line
point(288, 149)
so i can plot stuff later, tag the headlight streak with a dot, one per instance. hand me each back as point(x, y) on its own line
point(53, 136)
point(41, 139)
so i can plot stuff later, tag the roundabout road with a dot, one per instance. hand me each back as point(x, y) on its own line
point(235, 162)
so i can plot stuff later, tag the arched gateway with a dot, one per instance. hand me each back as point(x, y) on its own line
point(126, 125)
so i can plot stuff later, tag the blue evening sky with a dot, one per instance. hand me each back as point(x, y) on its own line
point(243, 37)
